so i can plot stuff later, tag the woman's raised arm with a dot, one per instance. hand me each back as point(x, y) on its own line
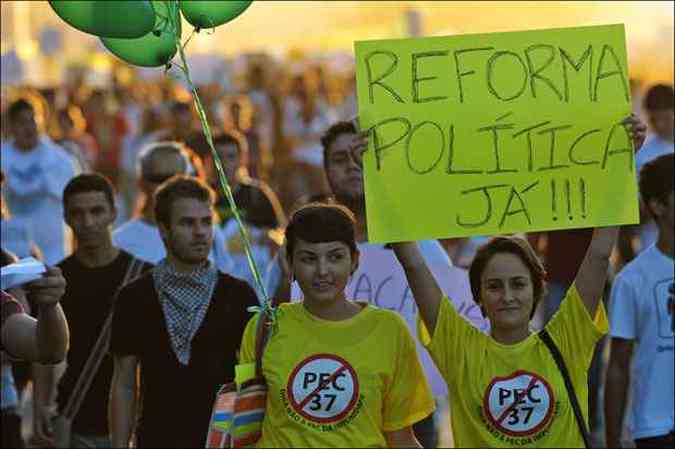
point(590, 280)
point(425, 289)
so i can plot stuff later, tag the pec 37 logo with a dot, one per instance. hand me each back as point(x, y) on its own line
point(323, 388)
point(519, 405)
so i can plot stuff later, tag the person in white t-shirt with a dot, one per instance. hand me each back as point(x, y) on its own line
point(659, 108)
point(642, 325)
point(140, 236)
point(37, 170)
point(16, 233)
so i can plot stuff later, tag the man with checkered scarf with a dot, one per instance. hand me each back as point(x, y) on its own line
point(181, 324)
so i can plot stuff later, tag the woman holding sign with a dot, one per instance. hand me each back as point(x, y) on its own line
point(508, 389)
point(340, 373)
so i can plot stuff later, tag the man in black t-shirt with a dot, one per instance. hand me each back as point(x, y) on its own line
point(93, 274)
point(182, 323)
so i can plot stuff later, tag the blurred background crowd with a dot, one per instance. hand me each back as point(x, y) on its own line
point(277, 87)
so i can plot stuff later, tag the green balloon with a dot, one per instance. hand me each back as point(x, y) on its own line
point(156, 48)
point(211, 13)
point(107, 18)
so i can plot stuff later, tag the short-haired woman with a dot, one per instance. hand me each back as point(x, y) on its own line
point(340, 373)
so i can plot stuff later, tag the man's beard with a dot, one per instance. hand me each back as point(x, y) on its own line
point(184, 257)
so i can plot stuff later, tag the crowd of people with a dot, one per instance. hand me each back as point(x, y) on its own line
point(117, 192)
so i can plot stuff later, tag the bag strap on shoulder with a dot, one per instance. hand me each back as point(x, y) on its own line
point(98, 351)
point(557, 356)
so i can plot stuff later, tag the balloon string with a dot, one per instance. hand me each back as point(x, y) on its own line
point(190, 38)
point(225, 186)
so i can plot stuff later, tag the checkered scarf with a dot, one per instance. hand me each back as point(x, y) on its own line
point(185, 299)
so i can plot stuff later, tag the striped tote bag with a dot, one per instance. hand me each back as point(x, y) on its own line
point(238, 413)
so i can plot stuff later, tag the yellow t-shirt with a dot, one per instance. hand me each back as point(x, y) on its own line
point(339, 383)
point(514, 395)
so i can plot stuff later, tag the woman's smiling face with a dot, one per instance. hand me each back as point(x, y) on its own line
point(507, 292)
point(322, 269)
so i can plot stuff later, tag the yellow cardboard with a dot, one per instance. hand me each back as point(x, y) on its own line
point(496, 133)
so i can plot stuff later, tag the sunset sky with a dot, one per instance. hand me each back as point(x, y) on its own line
point(279, 27)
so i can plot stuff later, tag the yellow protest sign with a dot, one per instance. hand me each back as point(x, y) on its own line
point(496, 133)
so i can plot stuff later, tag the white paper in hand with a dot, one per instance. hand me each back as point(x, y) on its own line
point(21, 272)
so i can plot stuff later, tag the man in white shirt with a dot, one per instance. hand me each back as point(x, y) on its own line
point(37, 170)
point(140, 236)
point(642, 325)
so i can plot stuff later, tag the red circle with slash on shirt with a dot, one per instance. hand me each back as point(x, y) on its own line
point(323, 388)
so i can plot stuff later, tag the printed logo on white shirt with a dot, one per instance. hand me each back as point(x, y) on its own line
point(664, 293)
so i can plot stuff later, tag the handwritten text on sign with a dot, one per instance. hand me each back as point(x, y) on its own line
point(496, 133)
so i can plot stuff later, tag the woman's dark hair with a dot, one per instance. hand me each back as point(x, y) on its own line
point(511, 245)
point(319, 223)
